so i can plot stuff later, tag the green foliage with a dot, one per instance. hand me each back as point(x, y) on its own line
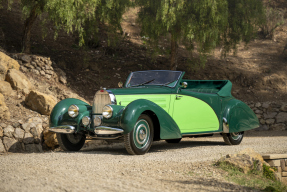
point(263, 181)
point(267, 173)
point(274, 18)
point(78, 15)
point(201, 25)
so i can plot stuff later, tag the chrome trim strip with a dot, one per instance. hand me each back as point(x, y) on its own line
point(102, 130)
point(66, 129)
point(225, 125)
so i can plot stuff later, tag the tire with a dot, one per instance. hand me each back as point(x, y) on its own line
point(71, 142)
point(233, 138)
point(139, 140)
point(173, 140)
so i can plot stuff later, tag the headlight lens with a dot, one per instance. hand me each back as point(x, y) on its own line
point(73, 111)
point(86, 121)
point(97, 120)
point(107, 111)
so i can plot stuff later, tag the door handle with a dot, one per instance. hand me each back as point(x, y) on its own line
point(178, 97)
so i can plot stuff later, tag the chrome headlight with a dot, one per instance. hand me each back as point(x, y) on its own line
point(97, 120)
point(107, 111)
point(73, 111)
point(86, 121)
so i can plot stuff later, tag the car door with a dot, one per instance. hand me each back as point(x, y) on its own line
point(196, 112)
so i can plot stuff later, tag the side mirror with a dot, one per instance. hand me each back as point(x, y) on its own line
point(184, 85)
point(120, 84)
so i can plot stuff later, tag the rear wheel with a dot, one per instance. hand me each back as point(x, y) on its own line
point(233, 138)
point(173, 140)
point(71, 142)
point(139, 140)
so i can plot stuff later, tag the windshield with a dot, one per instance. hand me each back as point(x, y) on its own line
point(165, 78)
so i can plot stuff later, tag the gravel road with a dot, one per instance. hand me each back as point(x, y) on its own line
point(186, 166)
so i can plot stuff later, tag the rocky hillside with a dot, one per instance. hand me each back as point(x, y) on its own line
point(29, 89)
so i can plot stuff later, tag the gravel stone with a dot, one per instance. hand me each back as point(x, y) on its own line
point(186, 166)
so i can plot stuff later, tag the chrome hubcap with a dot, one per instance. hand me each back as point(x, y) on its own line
point(236, 136)
point(141, 133)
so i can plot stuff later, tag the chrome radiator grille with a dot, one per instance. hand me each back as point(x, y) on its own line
point(101, 99)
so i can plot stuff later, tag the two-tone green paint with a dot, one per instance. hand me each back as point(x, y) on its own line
point(60, 116)
point(168, 127)
point(197, 109)
point(181, 109)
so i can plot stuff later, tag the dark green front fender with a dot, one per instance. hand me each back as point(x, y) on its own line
point(239, 116)
point(60, 116)
point(168, 127)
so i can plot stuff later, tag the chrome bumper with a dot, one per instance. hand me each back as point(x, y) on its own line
point(102, 130)
point(66, 129)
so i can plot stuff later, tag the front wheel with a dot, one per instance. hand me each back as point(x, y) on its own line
point(71, 142)
point(139, 140)
point(233, 138)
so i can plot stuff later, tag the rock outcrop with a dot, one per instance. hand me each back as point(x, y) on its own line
point(5, 88)
point(245, 160)
point(4, 112)
point(41, 102)
point(8, 62)
point(19, 81)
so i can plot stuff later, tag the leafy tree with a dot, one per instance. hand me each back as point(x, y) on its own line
point(72, 15)
point(200, 25)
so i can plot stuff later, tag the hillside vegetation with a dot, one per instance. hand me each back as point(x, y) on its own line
point(258, 71)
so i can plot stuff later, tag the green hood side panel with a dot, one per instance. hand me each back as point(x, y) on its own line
point(168, 127)
point(162, 100)
point(239, 116)
point(59, 115)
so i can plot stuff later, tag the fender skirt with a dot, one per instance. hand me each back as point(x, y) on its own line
point(168, 127)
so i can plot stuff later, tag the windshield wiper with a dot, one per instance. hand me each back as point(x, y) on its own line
point(167, 83)
point(143, 83)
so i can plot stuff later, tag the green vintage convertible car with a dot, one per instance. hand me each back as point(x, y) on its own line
point(153, 105)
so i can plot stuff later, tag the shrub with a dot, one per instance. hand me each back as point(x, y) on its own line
point(273, 19)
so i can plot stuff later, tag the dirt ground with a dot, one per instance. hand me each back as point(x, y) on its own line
point(186, 166)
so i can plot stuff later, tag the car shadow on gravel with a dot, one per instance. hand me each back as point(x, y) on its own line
point(214, 185)
point(162, 146)
point(157, 147)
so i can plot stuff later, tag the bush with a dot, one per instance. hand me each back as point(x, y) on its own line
point(274, 18)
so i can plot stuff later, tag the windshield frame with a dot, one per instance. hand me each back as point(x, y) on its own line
point(131, 74)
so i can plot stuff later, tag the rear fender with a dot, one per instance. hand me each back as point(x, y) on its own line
point(237, 117)
point(168, 127)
